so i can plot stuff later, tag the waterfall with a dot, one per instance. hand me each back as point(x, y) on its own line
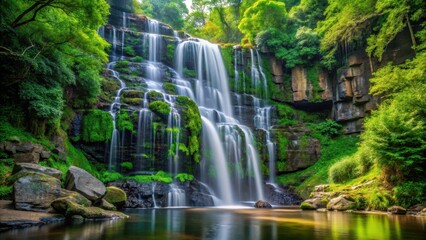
point(115, 106)
point(224, 140)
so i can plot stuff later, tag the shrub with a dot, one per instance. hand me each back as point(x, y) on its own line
point(410, 193)
point(344, 170)
point(379, 200)
point(138, 59)
point(170, 88)
point(189, 73)
point(329, 128)
point(121, 64)
point(162, 176)
point(128, 50)
point(127, 166)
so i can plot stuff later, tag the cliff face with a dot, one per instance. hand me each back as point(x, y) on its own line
point(343, 92)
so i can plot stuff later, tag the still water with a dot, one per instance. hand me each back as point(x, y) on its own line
point(233, 224)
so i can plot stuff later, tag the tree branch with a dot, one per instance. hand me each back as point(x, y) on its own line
point(37, 6)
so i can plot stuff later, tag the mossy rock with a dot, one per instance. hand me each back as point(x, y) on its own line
point(133, 101)
point(115, 196)
point(70, 209)
point(307, 206)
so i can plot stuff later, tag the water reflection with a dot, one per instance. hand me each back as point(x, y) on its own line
point(230, 224)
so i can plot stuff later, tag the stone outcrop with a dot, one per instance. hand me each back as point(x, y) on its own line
point(36, 192)
point(148, 195)
point(24, 152)
point(301, 150)
point(84, 183)
point(262, 204)
point(70, 208)
point(340, 203)
point(397, 210)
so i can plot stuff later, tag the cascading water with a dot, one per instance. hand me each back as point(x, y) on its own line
point(223, 146)
point(230, 165)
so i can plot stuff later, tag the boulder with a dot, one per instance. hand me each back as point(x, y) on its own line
point(102, 203)
point(30, 157)
point(340, 203)
point(84, 183)
point(60, 151)
point(23, 169)
point(70, 208)
point(321, 188)
point(262, 204)
point(9, 147)
point(397, 210)
point(36, 192)
point(312, 204)
point(115, 196)
point(422, 212)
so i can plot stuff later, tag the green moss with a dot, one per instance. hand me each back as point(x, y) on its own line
point(170, 55)
point(170, 88)
point(159, 107)
point(313, 77)
point(192, 119)
point(154, 95)
point(129, 51)
point(115, 195)
point(189, 73)
point(97, 126)
point(123, 122)
point(126, 165)
point(306, 206)
point(120, 65)
point(137, 59)
point(6, 192)
point(228, 59)
point(182, 177)
point(162, 176)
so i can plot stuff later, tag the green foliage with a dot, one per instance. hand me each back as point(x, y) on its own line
point(182, 177)
point(106, 176)
point(6, 192)
point(51, 47)
point(154, 95)
point(160, 107)
point(379, 200)
point(126, 165)
point(137, 59)
point(410, 193)
point(122, 64)
point(168, 11)
point(129, 51)
point(306, 206)
point(263, 14)
point(161, 176)
point(328, 128)
point(170, 54)
point(192, 119)
point(97, 126)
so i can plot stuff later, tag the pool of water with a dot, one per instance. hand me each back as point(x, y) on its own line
point(233, 224)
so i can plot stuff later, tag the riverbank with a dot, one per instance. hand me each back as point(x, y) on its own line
point(11, 218)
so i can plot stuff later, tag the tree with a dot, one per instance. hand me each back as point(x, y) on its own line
point(168, 11)
point(52, 47)
point(263, 15)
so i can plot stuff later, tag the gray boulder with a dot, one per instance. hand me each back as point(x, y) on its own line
point(84, 183)
point(36, 192)
point(25, 168)
point(340, 203)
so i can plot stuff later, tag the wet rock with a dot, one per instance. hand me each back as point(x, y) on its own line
point(340, 203)
point(36, 192)
point(9, 147)
point(262, 204)
point(397, 210)
point(84, 183)
point(278, 195)
point(199, 199)
point(23, 169)
point(70, 208)
point(115, 196)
